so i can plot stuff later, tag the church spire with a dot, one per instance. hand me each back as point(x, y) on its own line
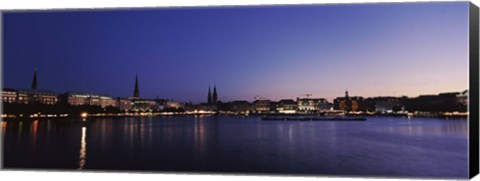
point(136, 93)
point(34, 82)
point(209, 99)
point(214, 97)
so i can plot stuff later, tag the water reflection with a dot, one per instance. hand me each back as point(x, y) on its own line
point(33, 133)
point(199, 134)
point(423, 128)
point(227, 143)
point(83, 149)
point(4, 128)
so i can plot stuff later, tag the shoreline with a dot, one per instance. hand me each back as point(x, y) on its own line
point(165, 114)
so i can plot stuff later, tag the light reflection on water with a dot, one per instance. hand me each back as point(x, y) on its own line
point(199, 135)
point(33, 133)
point(83, 149)
point(4, 128)
point(378, 146)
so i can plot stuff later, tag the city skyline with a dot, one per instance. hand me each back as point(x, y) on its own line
point(272, 52)
point(213, 98)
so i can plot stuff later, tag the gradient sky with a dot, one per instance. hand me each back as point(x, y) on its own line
point(271, 51)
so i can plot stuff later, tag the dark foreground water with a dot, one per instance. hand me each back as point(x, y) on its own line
point(380, 146)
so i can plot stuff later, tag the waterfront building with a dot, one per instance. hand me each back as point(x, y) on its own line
point(385, 104)
point(22, 97)
point(462, 99)
point(443, 102)
point(222, 106)
point(287, 106)
point(174, 104)
point(34, 96)
point(78, 98)
point(261, 106)
point(312, 105)
point(124, 104)
point(169, 104)
point(143, 105)
point(242, 107)
point(9, 95)
point(273, 107)
point(348, 103)
point(201, 107)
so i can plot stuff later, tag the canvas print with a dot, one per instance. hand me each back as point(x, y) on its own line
point(374, 89)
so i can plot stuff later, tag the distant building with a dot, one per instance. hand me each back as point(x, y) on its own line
point(34, 81)
point(261, 106)
point(143, 104)
point(169, 104)
point(78, 98)
point(240, 106)
point(212, 98)
point(136, 91)
point(214, 95)
point(287, 106)
point(462, 100)
point(34, 96)
point(124, 104)
point(209, 97)
point(385, 104)
point(201, 107)
point(273, 107)
point(9, 95)
point(348, 103)
point(312, 105)
point(443, 102)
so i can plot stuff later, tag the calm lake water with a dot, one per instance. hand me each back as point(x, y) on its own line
point(380, 146)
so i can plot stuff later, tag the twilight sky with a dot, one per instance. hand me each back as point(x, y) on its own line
point(271, 51)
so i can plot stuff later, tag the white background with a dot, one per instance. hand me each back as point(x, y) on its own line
point(83, 176)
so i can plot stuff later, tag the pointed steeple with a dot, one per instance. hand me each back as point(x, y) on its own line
point(214, 97)
point(136, 92)
point(34, 82)
point(209, 99)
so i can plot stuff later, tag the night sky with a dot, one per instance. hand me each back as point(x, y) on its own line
point(271, 51)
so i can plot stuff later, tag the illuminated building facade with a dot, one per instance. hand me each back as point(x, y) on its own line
point(124, 104)
point(77, 99)
point(143, 105)
point(312, 105)
point(287, 106)
point(33, 96)
point(9, 95)
point(261, 106)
